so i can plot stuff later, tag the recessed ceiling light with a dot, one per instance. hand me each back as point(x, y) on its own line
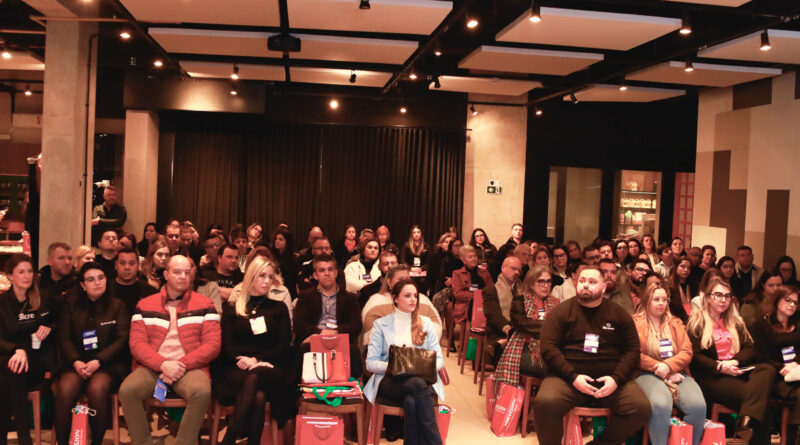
point(334, 104)
point(158, 63)
point(28, 91)
point(125, 35)
point(234, 91)
point(472, 23)
point(6, 54)
point(403, 110)
point(623, 87)
point(412, 76)
point(363, 4)
point(539, 111)
point(437, 53)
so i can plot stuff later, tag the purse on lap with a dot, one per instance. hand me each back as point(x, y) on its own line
point(411, 361)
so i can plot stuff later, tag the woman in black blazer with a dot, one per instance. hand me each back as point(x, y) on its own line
point(27, 350)
point(93, 335)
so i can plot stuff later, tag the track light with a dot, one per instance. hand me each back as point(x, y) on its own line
point(536, 15)
point(473, 110)
point(6, 53)
point(158, 63)
point(437, 53)
point(573, 98)
point(234, 91)
point(412, 76)
point(436, 83)
point(124, 35)
point(364, 4)
point(235, 73)
point(28, 91)
point(686, 27)
point(334, 104)
point(353, 76)
point(539, 111)
point(765, 46)
point(623, 87)
point(689, 67)
point(472, 23)
point(403, 110)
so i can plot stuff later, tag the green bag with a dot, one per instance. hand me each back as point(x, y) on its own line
point(472, 347)
point(599, 425)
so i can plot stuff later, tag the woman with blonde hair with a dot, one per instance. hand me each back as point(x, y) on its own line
point(725, 362)
point(83, 254)
point(255, 365)
point(155, 262)
point(665, 355)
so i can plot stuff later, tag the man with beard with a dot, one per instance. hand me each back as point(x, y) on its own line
point(616, 286)
point(636, 277)
point(591, 349)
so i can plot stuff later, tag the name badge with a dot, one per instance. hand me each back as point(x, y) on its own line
point(591, 343)
point(541, 313)
point(89, 340)
point(35, 342)
point(473, 287)
point(330, 323)
point(417, 261)
point(258, 325)
point(367, 277)
point(665, 348)
point(160, 393)
point(788, 354)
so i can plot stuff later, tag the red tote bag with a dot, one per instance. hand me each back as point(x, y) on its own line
point(491, 397)
point(319, 430)
point(337, 346)
point(713, 433)
point(507, 410)
point(443, 415)
point(80, 425)
point(680, 432)
point(478, 317)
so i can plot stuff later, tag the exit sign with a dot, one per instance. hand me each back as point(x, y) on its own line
point(494, 189)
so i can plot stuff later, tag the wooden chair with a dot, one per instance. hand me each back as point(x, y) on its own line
point(351, 406)
point(35, 397)
point(462, 344)
point(220, 410)
point(717, 409)
point(531, 384)
point(479, 337)
point(583, 411)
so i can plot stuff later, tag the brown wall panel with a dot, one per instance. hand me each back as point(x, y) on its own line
point(752, 94)
point(776, 226)
point(727, 206)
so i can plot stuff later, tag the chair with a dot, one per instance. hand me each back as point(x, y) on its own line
point(220, 410)
point(347, 407)
point(479, 337)
point(462, 341)
point(35, 397)
point(531, 384)
point(583, 411)
point(717, 409)
point(149, 404)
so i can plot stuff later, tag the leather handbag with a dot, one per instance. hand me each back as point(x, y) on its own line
point(410, 361)
point(337, 349)
point(316, 367)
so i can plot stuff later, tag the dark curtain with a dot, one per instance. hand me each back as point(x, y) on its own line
point(243, 169)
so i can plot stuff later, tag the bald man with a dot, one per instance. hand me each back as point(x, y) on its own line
point(497, 306)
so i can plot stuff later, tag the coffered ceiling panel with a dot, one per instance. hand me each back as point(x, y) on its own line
point(705, 74)
point(785, 48)
point(523, 60)
point(503, 87)
point(612, 93)
point(227, 12)
point(388, 16)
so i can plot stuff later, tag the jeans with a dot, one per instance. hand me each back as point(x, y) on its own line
point(690, 401)
point(419, 422)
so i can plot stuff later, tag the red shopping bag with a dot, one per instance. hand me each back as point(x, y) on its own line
point(572, 432)
point(680, 432)
point(266, 433)
point(491, 397)
point(507, 410)
point(443, 414)
point(478, 317)
point(713, 433)
point(319, 430)
point(80, 425)
point(337, 347)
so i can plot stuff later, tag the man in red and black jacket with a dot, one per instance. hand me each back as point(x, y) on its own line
point(174, 336)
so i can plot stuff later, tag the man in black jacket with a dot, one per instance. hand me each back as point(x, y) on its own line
point(108, 215)
point(591, 349)
point(127, 286)
point(497, 306)
point(57, 279)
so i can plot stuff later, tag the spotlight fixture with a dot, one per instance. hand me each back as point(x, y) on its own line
point(353, 76)
point(686, 27)
point(437, 53)
point(473, 110)
point(573, 98)
point(403, 110)
point(124, 35)
point(623, 87)
point(235, 73)
point(28, 91)
point(436, 83)
point(536, 15)
point(158, 63)
point(234, 90)
point(363, 4)
point(765, 46)
point(472, 23)
point(412, 76)
point(334, 104)
point(538, 111)
point(6, 53)
point(689, 67)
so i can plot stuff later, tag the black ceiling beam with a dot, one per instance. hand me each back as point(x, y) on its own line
point(309, 63)
point(277, 30)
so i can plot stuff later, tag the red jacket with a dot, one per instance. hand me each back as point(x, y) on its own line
point(461, 293)
point(198, 329)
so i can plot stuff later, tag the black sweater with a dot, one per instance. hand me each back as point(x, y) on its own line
point(769, 343)
point(15, 335)
point(704, 361)
point(238, 339)
point(564, 332)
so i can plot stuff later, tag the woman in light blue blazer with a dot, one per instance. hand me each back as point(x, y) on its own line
point(405, 327)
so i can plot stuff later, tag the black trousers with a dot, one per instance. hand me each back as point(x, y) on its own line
point(14, 398)
point(630, 410)
point(419, 424)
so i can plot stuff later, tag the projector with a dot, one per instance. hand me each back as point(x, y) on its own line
point(283, 43)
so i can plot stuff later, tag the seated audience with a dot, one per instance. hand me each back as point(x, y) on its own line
point(127, 240)
point(415, 251)
point(483, 247)
point(651, 248)
point(254, 232)
point(277, 290)
point(305, 278)
point(747, 274)
point(328, 309)
point(664, 261)
point(466, 281)
point(680, 289)
point(255, 365)
point(83, 254)
point(591, 255)
point(155, 263)
point(727, 266)
point(616, 288)
point(282, 247)
point(666, 352)
point(27, 350)
point(149, 236)
point(573, 251)
point(239, 239)
point(542, 256)
point(528, 312)
point(758, 303)
point(524, 253)
point(621, 255)
point(347, 246)
point(386, 261)
point(569, 288)
point(227, 274)
point(497, 300)
point(591, 350)
point(304, 254)
point(635, 248)
point(637, 273)
point(206, 288)
point(405, 327)
point(606, 251)
point(108, 247)
point(57, 279)
point(385, 240)
point(93, 335)
point(188, 247)
point(127, 286)
point(516, 234)
point(172, 234)
point(210, 260)
point(363, 268)
point(451, 261)
point(725, 362)
point(177, 354)
point(560, 261)
point(787, 270)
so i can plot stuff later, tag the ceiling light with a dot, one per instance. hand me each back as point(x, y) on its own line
point(686, 28)
point(235, 73)
point(412, 76)
point(765, 46)
point(437, 53)
point(403, 110)
point(436, 83)
point(125, 35)
point(334, 104)
point(364, 4)
point(472, 23)
point(158, 63)
point(353, 76)
point(234, 90)
point(28, 91)
point(6, 53)
point(689, 67)
point(538, 111)
point(623, 87)
point(473, 110)
point(573, 98)
point(536, 15)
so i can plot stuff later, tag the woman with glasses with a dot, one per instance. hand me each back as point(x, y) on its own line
point(484, 248)
point(726, 365)
point(778, 338)
point(560, 261)
point(621, 257)
point(93, 335)
point(664, 360)
point(528, 312)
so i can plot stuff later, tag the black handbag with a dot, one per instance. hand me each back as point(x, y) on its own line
point(410, 361)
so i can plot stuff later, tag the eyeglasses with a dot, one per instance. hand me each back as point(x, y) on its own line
point(562, 255)
point(719, 296)
point(544, 282)
point(790, 301)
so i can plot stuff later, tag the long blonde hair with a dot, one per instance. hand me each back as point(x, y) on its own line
point(418, 333)
point(701, 325)
point(239, 300)
point(653, 346)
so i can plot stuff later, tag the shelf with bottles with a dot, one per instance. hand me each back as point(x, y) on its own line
point(638, 203)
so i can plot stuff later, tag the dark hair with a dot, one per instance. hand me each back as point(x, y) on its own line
point(126, 250)
point(780, 294)
point(288, 237)
point(213, 226)
point(606, 261)
point(638, 243)
point(744, 248)
point(722, 261)
point(89, 266)
point(786, 259)
point(317, 238)
point(231, 246)
point(486, 241)
point(603, 243)
point(324, 258)
point(639, 260)
point(708, 246)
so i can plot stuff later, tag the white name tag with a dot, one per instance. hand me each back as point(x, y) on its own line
point(541, 313)
point(258, 325)
point(367, 277)
point(788, 354)
point(417, 261)
point(590, 343)
point(665, 348)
